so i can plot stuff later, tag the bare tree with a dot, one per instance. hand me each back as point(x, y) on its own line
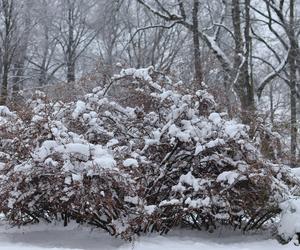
point(74, 33)
point(43, 56)
point(281, 20)
point(9, 42)
point(18, 73)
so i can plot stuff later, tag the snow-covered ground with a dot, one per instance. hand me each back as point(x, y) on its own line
point(38, 238)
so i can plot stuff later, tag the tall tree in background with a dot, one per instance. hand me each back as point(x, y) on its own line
point(281, 21)
point(196, 42)
point(242, 81)
point(293, 77)
point(9, 43)
point(22, 48)
point(74, 33)
point(43, 56)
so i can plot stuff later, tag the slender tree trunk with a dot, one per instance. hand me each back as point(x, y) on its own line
point(293, 80)
point(1, 62)
point(271, 104)
point(42, 77)
point(196, 43)
point(294, 130)
point(43, 68)
point(70, 48)
point(4, 86)
point(8, 49)
point(246, 67)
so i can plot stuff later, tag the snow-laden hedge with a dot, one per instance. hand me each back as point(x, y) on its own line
point(166, 160)
point(289, 224)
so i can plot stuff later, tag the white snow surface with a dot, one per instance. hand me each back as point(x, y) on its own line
point(55, 237)
point(290, 219)
point(130, 162)
point(229, 176)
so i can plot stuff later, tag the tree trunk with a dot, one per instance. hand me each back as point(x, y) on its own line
point(294, 130)
point(271, 104)
point(8, 48)
point(71, 72)
point(196, 44)
point(4, 86)
point(241, 77)
point(293, 79)
point(70, 47)
point(21, 58)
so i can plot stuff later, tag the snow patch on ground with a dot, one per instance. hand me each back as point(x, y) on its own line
point(56, 237)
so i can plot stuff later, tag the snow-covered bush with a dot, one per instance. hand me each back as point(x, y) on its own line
point(49, 172)
point(164, 159)
point(289, 224)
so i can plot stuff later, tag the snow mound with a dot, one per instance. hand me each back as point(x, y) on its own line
point(289, 224)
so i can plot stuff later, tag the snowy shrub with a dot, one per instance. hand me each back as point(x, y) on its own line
point(289, 224)
point(50, 173)
point(163, 158)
